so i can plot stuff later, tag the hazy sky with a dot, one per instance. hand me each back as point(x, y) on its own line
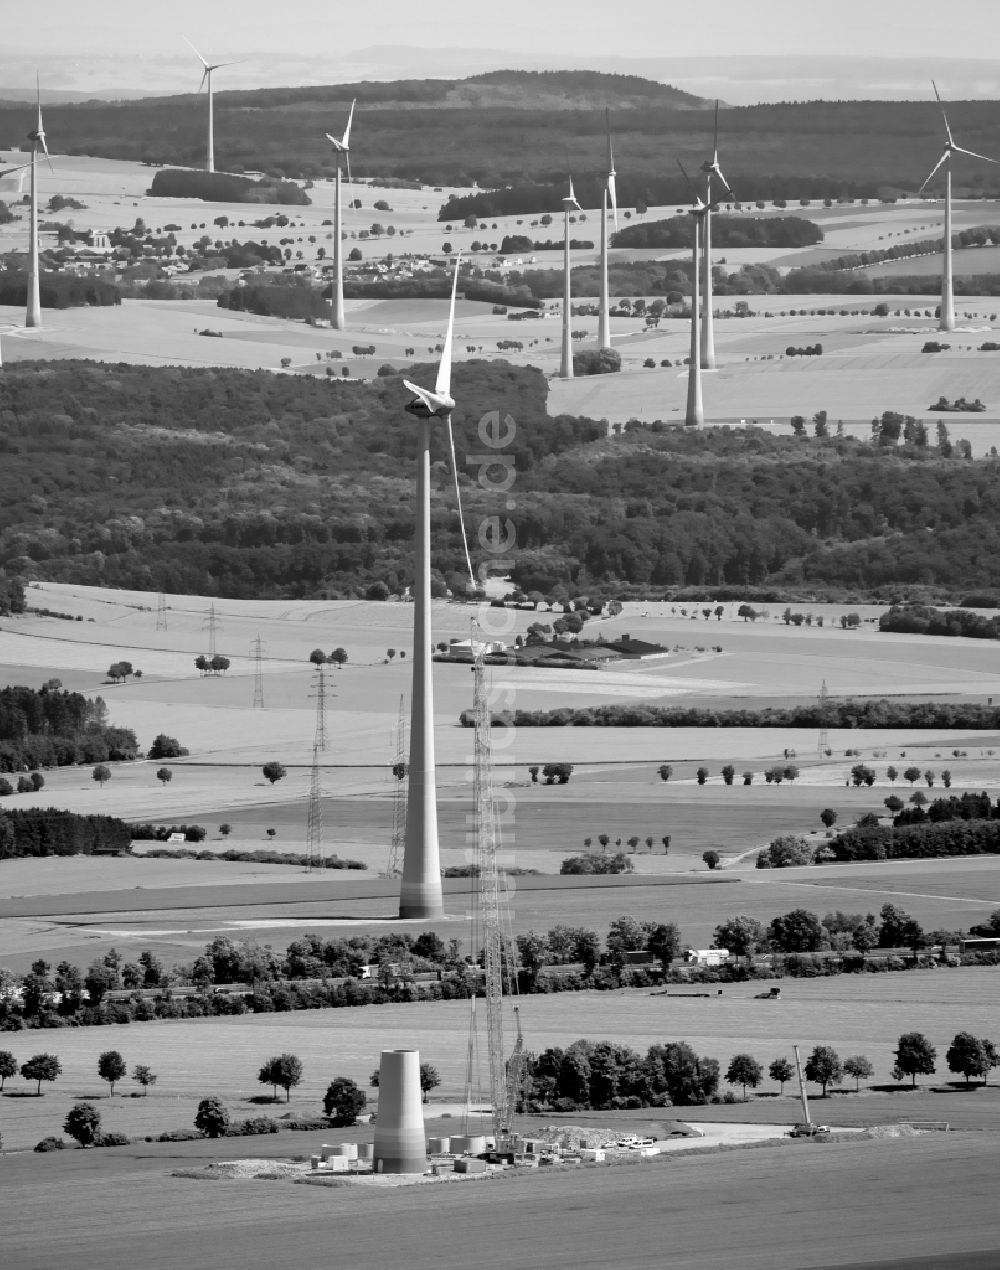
point(902, 28)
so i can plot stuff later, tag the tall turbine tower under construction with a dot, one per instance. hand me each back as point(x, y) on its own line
point(420, 888)
point(566, 362)
point(711, 169)
point(694, 415)
point(33, 314)
point(947, 320)
point(607, 193)
point(342, 154)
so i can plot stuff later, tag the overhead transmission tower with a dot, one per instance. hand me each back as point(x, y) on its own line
point(161, 612)
point(493, 917)
point(319, 740)
point(211, 624)
point(823, 744)
point(400, 774)
point(257, 653)
point(314, 815)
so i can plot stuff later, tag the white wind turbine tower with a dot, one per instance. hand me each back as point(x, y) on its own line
point(420, 888)
point(33, 314)
point(206, 79)
point(608, 192)
point(947, 322)
point(711, 169)
point(342, 154)
point(694, 415)
point(566, 364)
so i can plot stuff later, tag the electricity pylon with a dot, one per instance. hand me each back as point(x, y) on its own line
point(824, 735)
point(161, 612)
point(319, 740)
point(210, 623)
point(399, 772)
point(257, 653)
point(314, 817)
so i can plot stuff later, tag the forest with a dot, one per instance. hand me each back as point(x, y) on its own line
point(727, 231)
point(248, 484)
point(515, 128)
point(49, 727)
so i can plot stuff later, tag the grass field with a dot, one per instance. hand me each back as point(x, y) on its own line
point(856, 1015)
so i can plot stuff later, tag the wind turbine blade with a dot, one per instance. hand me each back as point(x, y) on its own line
point(443, 385)
point(947, 127)
point(206, 74)
point(691, 184)
point(347, 130)
point(612, 192)
point(933, 172)
point(715, 136)
point(196, 53)
point(973, 155)
point(728, 188)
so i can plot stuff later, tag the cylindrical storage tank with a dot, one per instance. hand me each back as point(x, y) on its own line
point(438, 1146)
point(399, 1129)
point(366, 1150)
point(460, 1144)
point(477, 1145)
point(314, 1161)
point(337, 1152)
point(349, 1149)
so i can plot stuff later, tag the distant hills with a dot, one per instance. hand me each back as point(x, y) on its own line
point(509, 127)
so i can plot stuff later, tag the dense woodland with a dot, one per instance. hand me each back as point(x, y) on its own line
point(514, 127)
point(235, 483)
point(49, 727)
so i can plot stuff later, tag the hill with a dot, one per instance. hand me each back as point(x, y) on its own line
point(245, 484)
point(514, 127)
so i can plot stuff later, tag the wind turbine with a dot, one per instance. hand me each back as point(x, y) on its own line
point(420, 888)
point(342, 154)
point(608, 192)
point(947, 322)
point(206, 78)
point(566, 365)
point(694, 415)
point(33, 314)
point(710, 168)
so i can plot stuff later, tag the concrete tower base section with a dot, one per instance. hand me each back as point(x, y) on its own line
point(400, 1146)
point(420, 899)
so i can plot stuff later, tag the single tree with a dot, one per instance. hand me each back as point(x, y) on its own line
point(968, 1055)
point(390, 653)
point(741, 936)
point(317, 657)
point(339, 656)
point(429, 1079)
point(101, 774)
point(144, 1076)
point(343, 1101)
point(225, 829)
point(911, 775)
point(83, 1123)
point(918, 798)
point(212, 1118)
point(744, 1070)
point(284, 1070)
point(533, 773)
point(894, 804)
point(915, 1056)
point(781, 1070)
point(666, 771)
point(711, 858)
point(860, 1068)
point(702, 775)
point(829, 817)
point(8, 1066)
point(41, 1067)
point(273, 771)
point(823, 1067)
point(111, 1067)
point(891, 774)
point(728, 772)
point(664, 942)
point(666, 843)
point(164, 775)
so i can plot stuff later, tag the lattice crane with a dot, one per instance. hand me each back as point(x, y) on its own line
point(494, 919)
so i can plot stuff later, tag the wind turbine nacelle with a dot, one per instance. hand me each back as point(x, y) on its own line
point(438, 409)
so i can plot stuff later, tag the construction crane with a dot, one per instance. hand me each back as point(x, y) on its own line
point(499, 951)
